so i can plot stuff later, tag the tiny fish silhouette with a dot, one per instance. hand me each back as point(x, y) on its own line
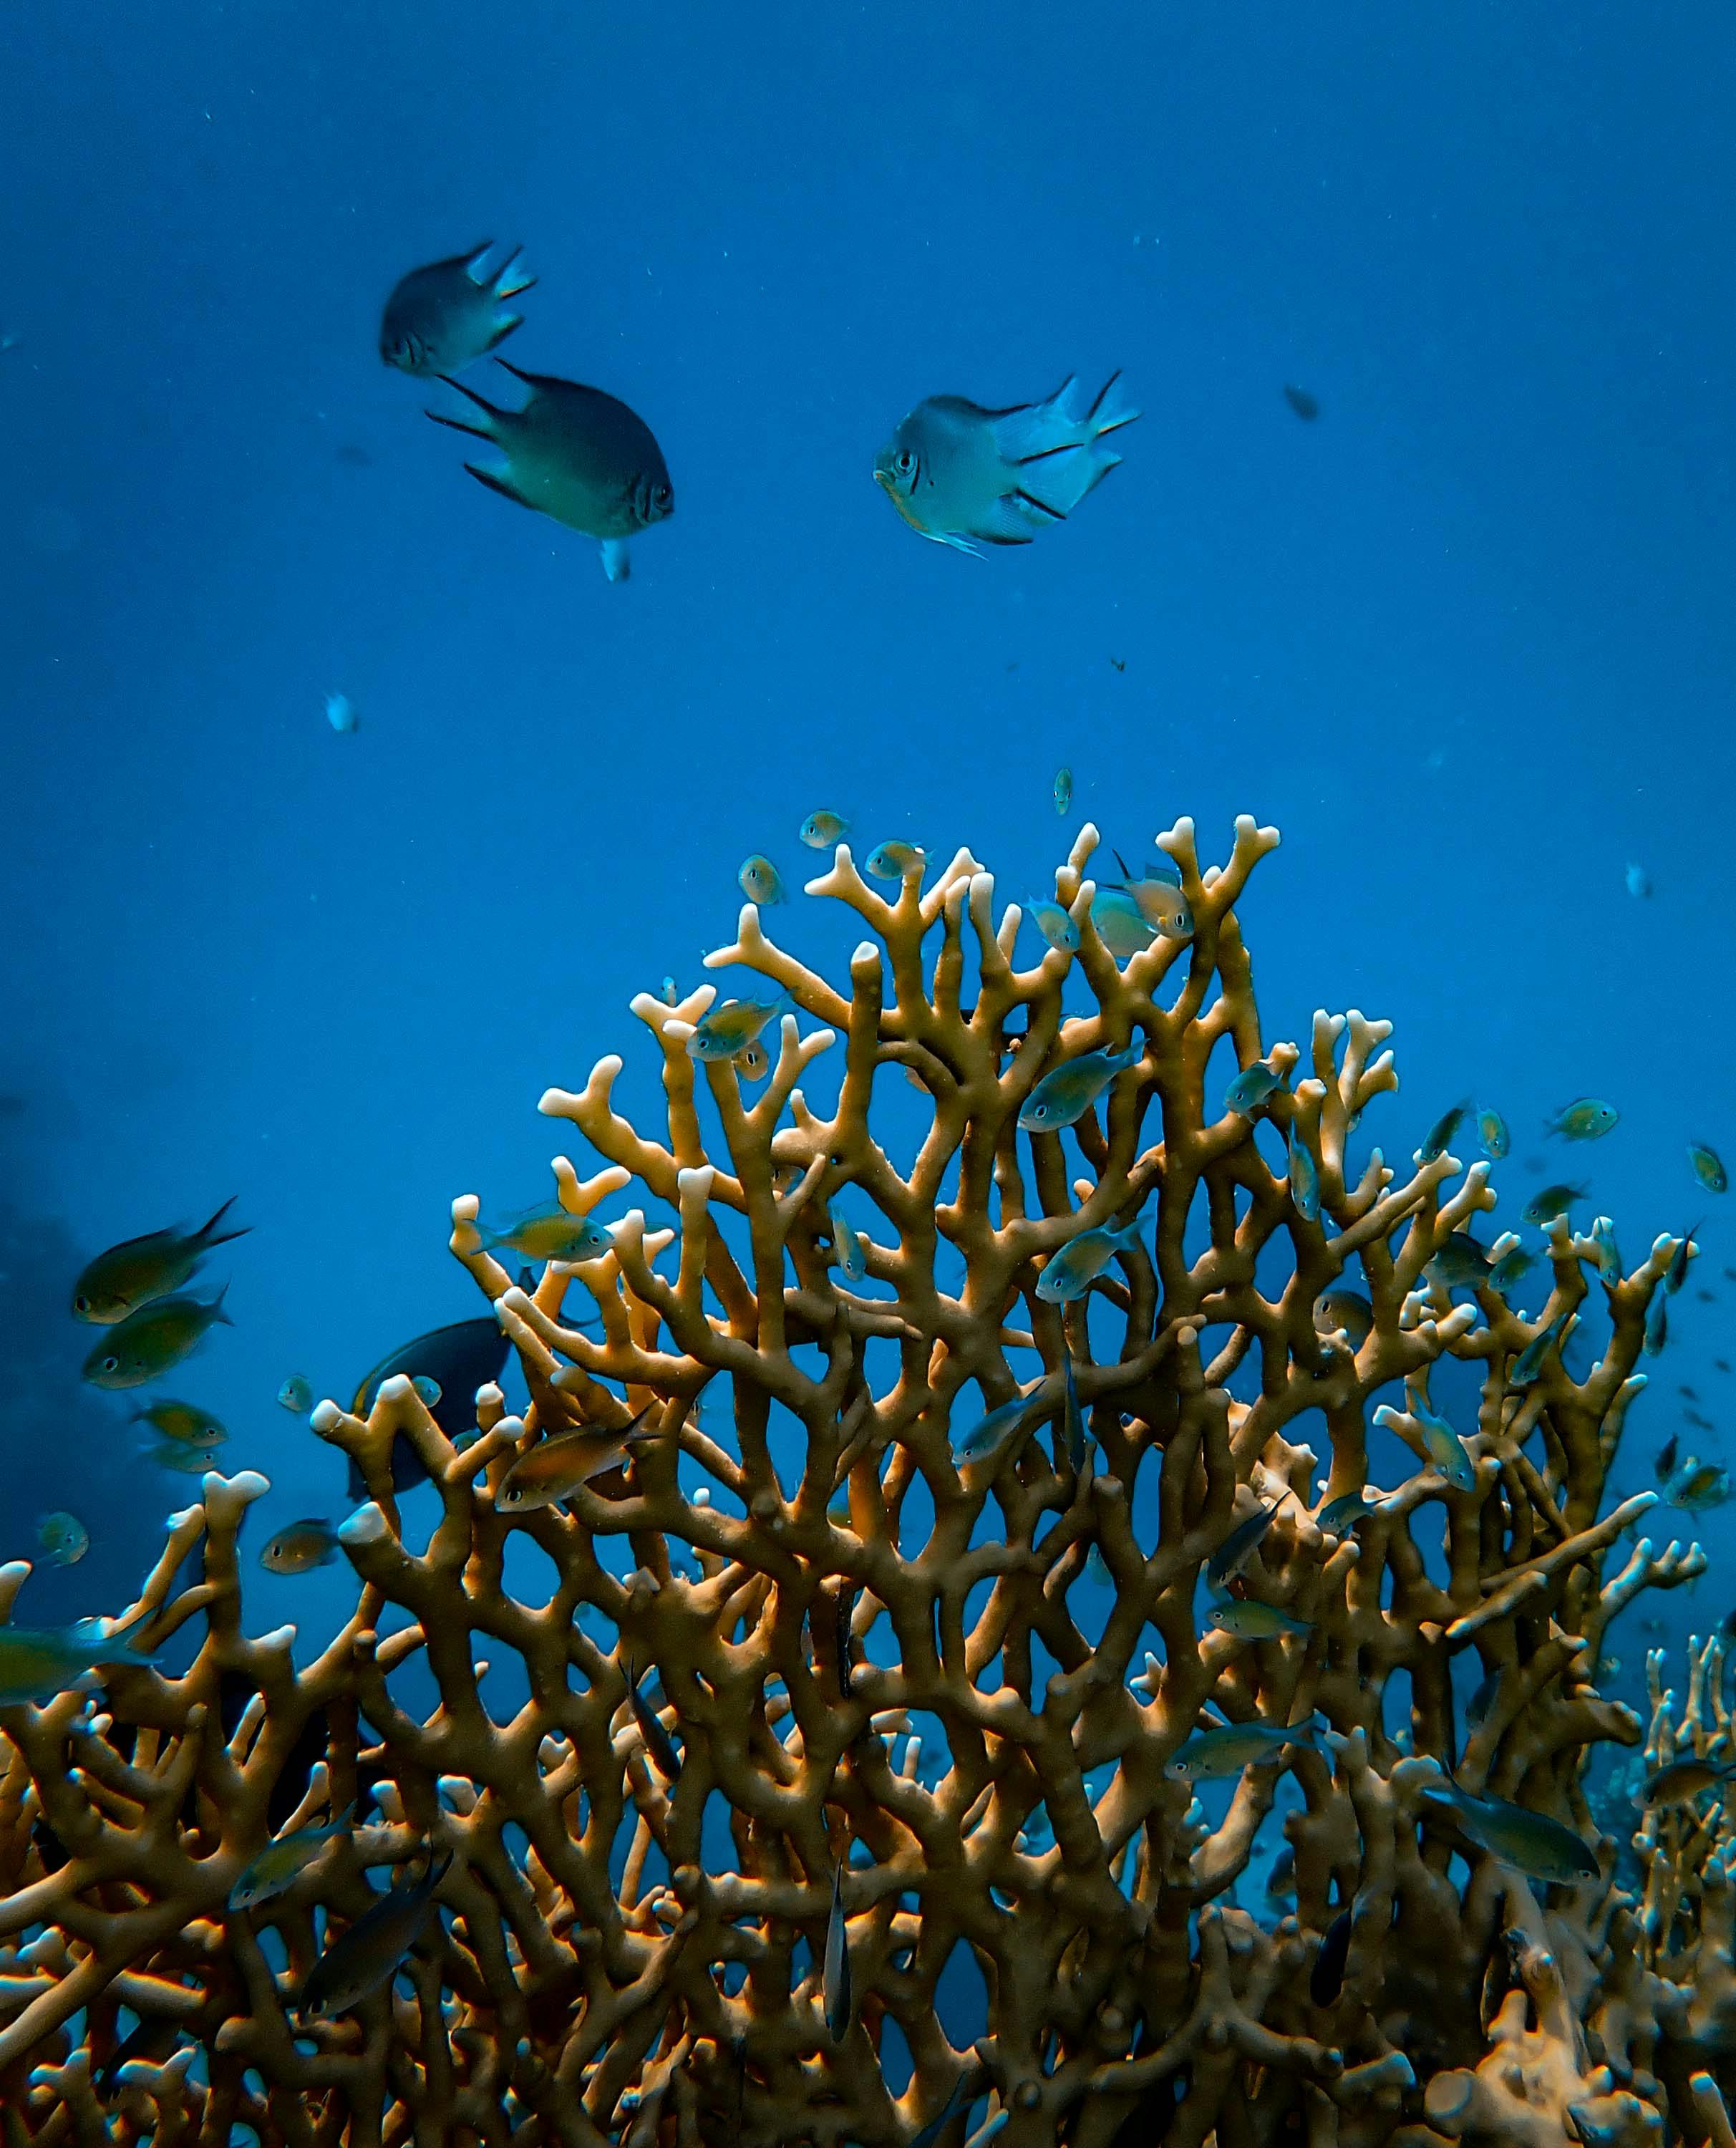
point(370, 1951)
point(1306, 406)
point(835, 1975)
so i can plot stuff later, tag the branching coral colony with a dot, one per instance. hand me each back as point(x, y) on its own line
point(920, 1668)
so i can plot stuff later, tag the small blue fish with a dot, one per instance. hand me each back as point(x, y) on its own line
point(1543, 1208)
point(1440, 1135)
point(964, 476)
point(1441, 1443)
point(758, 881)
point(1119, 924)
point(1239, 1547)
point(441, 319)
point(1340, 1308)
point(728, 1030)
point(340, 713)
point(1512, 1267)
point(1304, 1180)
point(1639, 882)
point(1339, 1517)
point(1067, 1091)
point(897, 861)
point(296, 1395)
point(852, 1254)
point(1461, 1262)
point(1587, 1118)
point(821, 829)
point(1063, 790)
point(1609, 1254)
point(1078, 1434)
point(551, 1232)
point(1529, 1363)
point(1069, 1273)
point(1252, 1089)
point(1698, 1486)
point(669, 995)
point(1708, 1168)
point(1096, 1569)
point(1055, 924)
point(299, 1546)
point(1225, 1749)
point(281, 1863)
point(1249, 1621)
point(62, 1537)
point(1657, 1331)
point(1491, 1132)
point(38, 1662)
point(1676, 1274)
point(987, 1433)
point(428, 1390)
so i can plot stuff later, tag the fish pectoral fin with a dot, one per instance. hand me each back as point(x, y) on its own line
point(955, 542)
point(617, 560)
point(500, 484)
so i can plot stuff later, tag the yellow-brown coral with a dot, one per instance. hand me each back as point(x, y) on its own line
point(633, 1936)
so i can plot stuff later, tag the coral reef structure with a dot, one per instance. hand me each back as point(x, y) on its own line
point(816, 1635)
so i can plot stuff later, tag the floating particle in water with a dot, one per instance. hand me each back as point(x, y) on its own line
point(340, 713)
point(1639, 882)
point(1306, 406)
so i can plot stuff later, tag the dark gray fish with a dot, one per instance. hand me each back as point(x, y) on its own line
point(835, 1987)
point(459, 1359)
point(442, 317)
point(577, 455)
point(152, 2038)
point(1677, 1272)
point(659, 1749)
point(1306, 406)
point(1238, 1548)
point(368, 1955)
point(1664, 1465)
point(1281, 1880)
point(1325, 1976)
point(1341, 1515)
point(1441, 1133)
point(1461, 1263)
point(1514, 1835)
point(1078, 1438)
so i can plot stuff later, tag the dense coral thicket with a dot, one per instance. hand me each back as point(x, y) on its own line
point(959, 1680)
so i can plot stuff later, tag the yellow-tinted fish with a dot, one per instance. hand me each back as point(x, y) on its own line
point(727, 1031)
point(428, 1390)
point(183, 1421)
point(298, 1547)
point(577, 455)
point(1552, 1202)
point(296, 1395)
point(847, 1243)
point(1249, 1621)
point(1348, 1309)
point(1070, 1272)
point(62, 1537)
point(1491, 1132)
point(1680, 1782)
point(1530, 1842)
point(1708, 1166)
point(1587, 1118)
point(280, 1864)
point(893, 860)
point(368, 1953)
point(760, 881)
point(38, 1662)
point(146, 1343)
point(189, 1461)
point(1067, 1091)
point(552, 1233)
point(554, 1468)
point(1063, 790)
point(1225, 1749)
point(132, 1273)
point(821, 829)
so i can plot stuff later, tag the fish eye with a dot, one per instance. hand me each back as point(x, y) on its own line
point(80, 1304)
point(905, 463)
point(662, 494)
point(111, 1364)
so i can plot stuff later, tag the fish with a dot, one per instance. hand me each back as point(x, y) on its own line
point(821, 829)
point(1492, 1134)
point(1657, 1328)
point(150, 1341)
point(427, 1392)
point(1708, 1168)
point(1460, 1262)
point(964, 476)
point(896, 860)
point(1440, 1135)
point(1664, 1462)
point(38, 1662)
point(1552, 1202)
point(1513, 1835)
point(1340, 1516)
point(847, 1242)
point(1340, 1308)
point(296, 1395)
point(1063, 790)
point(1067, 1091)
point(443, 317)
point(1252, 1089)
point(1326, 1972)
point(131, 1274)
point(1587, 1118)
point(1281, 1879)
point(577, 455)
point(1639, 882)
point(1444, 1447)
point(667, 991)
point(988, 1433)
point(1306, 406)
point(298, 1547)
point(280, 1864)
point(1248, 1621)
point(62, 1537)
point(1227, 1749)
point(753, 1062)
point(1119, 924)
point(462, 1357)
point(554, 1468)
point(1096, 1568)
point(153, 2039)
point(1078, 1433)
point(835, 1974)
point(728, 1030)
point(369, 1953)
point(1069, 1273)
point(760, 881)
point(1477, 1706)
point(1680, 1782)
point(1609, 1254)
point(173, 1454)
point(1119, 663)
point(1512, 1267)
point(659, 1750)
point(182, 1421)
point(1239, 1547)
point(1304, 1180)
point(1056, 924)
point(1676, 1274)
point(340, 713)
point(1156, 895)
point(1529, 1363)
point(551, 1232)
point(1696, 1486)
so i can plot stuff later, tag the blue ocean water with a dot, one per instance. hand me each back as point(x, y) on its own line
point(1466, 637)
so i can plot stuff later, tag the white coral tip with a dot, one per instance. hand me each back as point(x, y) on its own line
point(324, 1416)
point(394, 1389)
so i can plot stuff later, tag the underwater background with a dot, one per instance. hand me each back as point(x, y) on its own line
point(1465, 634)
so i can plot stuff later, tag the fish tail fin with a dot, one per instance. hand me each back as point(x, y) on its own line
point(512, 277)
point(617, 561)
point(1058, 446)
point(500, 484)
point(209, 1235)
point(505, 323)
point(216, 1310)
point(495, 418)
point(1110, 411)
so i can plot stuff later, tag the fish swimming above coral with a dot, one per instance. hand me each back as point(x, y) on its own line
point(965, 476)
point(443, 317)
point(575, 454)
